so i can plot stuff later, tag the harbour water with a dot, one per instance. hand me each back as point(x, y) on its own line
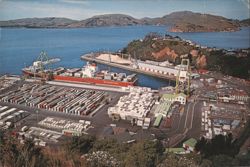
point(19, 47)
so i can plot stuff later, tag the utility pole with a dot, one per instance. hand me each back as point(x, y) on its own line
point(37, 116)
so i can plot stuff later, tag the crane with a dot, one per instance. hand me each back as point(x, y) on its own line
point(184, 62)
point(40, 64)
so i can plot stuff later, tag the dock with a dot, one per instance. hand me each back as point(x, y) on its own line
point(91, 57)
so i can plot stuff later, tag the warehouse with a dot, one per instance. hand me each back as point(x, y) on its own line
point(162, 108)
point(11, 115)
point(171, 71)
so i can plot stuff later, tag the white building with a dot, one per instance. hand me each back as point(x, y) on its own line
point(166, 70)
point(182, 98)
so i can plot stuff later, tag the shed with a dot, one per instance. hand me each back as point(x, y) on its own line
point(158, 120)
point(176, 150)
point(190, 144)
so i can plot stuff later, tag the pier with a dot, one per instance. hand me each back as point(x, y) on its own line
point(92, 57)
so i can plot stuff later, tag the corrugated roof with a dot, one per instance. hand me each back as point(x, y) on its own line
point(190, 142)
point(171, 96)
point(163, 107)
point(158, 120)
point(175, 150)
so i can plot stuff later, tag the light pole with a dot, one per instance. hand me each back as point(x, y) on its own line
point(37, 116)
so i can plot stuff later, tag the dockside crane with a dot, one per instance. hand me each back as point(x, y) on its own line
point(42, 61)
point(184, 62)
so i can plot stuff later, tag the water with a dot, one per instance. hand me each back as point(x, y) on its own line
point(19, 47)
point(226, 40)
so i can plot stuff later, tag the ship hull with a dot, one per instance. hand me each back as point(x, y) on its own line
point(92, 81)
point(28, 73)
point(83, 80)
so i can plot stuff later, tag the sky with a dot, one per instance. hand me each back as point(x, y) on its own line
point(82, 9)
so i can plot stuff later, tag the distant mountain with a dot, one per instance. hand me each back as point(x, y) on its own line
point(187, 21)
point(48, 22)
point(184, 21)
point(107, 20)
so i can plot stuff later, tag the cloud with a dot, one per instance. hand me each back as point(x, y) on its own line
point(24, 9)
point(77, 2)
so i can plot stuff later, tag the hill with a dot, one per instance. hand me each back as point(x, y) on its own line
point(184, 21)
point(107, 20)
point(157, 48)
point(48, 22)
point(196, 22)
point(245, 23)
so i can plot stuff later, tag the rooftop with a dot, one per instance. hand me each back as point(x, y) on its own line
point(190, 142)
point(175, 150)
point(171, 96)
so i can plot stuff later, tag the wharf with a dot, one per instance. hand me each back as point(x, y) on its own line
point(91, 57)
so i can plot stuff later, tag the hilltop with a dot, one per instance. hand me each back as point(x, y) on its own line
point(245, 23)
point(47, 22)
point(107, 20)
point(184, 21)
point(157, 48)
point(52, 22)
point(196, 22)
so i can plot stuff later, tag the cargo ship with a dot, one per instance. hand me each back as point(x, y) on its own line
point(88, 74)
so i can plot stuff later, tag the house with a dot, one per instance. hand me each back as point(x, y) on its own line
point(190, 144)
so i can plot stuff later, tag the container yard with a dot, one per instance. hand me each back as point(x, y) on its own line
point(40, 135)
point(10, 116)
point(134, 107)
point(6, 83)
point(54, 98)
point(50, 130)
point(65, 126)
point(216, 120)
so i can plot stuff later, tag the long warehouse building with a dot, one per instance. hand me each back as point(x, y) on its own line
point(171, 71)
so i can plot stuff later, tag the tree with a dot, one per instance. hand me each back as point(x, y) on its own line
point(80, 144)
point(218, 145)
point(2, 143)
point(144, 154)
point(206, 163)
point(223, 161)
point(173, 160)
point(31, 155)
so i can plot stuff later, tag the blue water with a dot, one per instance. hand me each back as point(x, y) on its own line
point(226, 40)
point(19, 47)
